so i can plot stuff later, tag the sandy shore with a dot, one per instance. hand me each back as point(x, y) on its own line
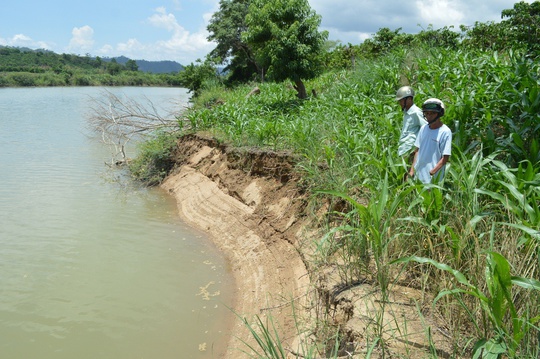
point(246, 207)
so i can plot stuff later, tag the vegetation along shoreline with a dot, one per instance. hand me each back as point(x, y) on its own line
point(392, 267)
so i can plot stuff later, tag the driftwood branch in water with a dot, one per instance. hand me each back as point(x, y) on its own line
point(118, 120)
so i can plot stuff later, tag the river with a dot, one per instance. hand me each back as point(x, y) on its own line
point(91, 267)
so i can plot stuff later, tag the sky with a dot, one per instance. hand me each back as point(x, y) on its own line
point(175, 30)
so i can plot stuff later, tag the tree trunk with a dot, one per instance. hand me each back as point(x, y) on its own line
point(301, 89)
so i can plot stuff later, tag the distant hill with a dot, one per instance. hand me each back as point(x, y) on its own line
point(27, 67)
point(156, 67)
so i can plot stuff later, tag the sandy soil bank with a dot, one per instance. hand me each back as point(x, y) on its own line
point(250, 206)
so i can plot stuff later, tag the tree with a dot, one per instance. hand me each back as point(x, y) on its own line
point(131, 65)
point(226, 27)
point(118, 120)
point(444, 37)
point(285, 38)
point(113, 67)
point(193, 76)
point(519, 29)
point(524, 22)
point(486, 36)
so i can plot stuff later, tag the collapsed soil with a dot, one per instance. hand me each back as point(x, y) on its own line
point(251, 203)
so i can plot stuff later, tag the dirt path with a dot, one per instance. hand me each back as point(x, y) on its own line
point(250, 206)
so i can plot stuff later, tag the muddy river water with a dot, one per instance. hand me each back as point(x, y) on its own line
point(92, 267)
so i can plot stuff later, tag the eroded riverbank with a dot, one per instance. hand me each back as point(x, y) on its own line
point(252, 206)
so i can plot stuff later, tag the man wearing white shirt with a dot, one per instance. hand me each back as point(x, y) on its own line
point(433, 144)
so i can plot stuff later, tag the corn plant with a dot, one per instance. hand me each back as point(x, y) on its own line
point(375, 221)
point(517, 191)
point(501, 336)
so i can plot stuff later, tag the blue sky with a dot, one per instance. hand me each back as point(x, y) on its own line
point(176, 29)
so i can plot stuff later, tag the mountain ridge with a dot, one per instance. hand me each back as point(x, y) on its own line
point(157, 67)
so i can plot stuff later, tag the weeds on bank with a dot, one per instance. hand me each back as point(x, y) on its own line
point(483, 219)
point(501, 336)
point(154, 160)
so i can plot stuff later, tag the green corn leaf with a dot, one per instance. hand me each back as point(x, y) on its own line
point(474, 221)
point(529, 171)
point(500, 265)
point(473, 293)
point(457, 274)
point(489, 349)
point(530, 231)
point(502, 199)
point(527, 283)
point(518, 141)
point(521, 199)
point(349, 199)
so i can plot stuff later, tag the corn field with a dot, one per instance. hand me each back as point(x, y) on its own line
point(474, 240)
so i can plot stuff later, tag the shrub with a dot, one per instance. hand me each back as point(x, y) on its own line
point(154, 160)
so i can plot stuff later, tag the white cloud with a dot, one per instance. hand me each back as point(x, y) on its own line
point(82, 39)
point(177, 5)
point(440, 12)
point(129, 47)
point(21, 40)
point(163, 20)
point(106, 50)
point(182, 44)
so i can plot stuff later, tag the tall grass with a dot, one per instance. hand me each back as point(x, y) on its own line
point(488, 203)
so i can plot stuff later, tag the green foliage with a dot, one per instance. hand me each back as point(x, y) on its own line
point(519, 29)
point(195, 76)
point(285, 37)
point(347, 140)
point(496, 304)
point(444, 37)
point(516, 191)
point(524, 23)
point(226, 27)
point(131, 65)
point(45, 68)
point(267, 340)
point(385, 40)
point(154, 159)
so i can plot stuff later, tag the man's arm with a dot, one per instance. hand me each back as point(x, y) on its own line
point(439, 164)
point(411, 171)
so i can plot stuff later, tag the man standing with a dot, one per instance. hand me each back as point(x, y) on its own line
point(412, 121)
point(433, 144)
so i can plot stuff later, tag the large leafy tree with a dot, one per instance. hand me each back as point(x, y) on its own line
point(285, 37)
point(226, 27)
point(524, 22)
point(520, 28)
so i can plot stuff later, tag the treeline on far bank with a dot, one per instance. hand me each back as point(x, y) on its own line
point(29, 68)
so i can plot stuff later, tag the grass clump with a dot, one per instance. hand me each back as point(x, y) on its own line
point(154, 159)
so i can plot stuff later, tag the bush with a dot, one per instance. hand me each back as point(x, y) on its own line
point(154, 160)
point(23, 79)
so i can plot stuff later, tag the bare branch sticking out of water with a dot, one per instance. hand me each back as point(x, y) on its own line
point(118, 120)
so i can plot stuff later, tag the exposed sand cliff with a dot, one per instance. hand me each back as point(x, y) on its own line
point(252, 206)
